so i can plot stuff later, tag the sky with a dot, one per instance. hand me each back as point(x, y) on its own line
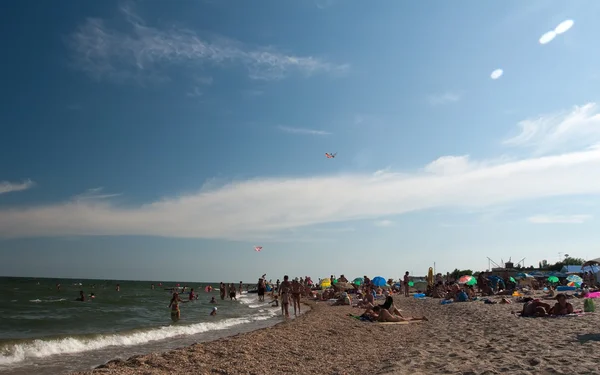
point(165, 140)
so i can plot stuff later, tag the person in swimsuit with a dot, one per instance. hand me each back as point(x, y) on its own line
point(192, 294)
point(241, 288)
point(174, 306)
point(562, 307)
point(261, 289)
point(286, 287)
point(406, 280)
point(232, 292)
point(390, 307)
point(213, 312)
point(81, 297)
point(296, 291)
point(222, 290)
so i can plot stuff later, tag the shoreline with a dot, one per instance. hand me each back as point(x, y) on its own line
point(84, 360)
point(117, 362)
point(459, 338)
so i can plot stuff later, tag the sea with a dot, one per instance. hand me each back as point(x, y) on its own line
point(44, 330)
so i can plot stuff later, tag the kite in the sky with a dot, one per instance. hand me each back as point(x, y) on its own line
point(330, 156)
point(257, 248)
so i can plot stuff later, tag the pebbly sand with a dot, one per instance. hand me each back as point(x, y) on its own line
point(460, 338)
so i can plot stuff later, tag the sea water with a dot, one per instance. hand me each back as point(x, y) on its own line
point(46, 331)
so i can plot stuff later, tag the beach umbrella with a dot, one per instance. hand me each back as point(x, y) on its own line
point(325, 283)
point(572, 283)
point(575, 278)
point(466, 279)
point(553, 279)
point(357, 281)
point(379, 281)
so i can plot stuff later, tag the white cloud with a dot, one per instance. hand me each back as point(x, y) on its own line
point(547, 37)
point(195, 93)
point(264, 207)
point(292, 130)
point(95, 193)
point(497, 74)
point(559, 132)
point(7, 187)
point(562, 28)
point(445, 98)
point(559, 219)
point(384, 223)
point(140, 53)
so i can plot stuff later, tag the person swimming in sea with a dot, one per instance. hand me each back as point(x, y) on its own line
point(213, 300)
point(81, 297)
point(214, 311)
point(174, 306)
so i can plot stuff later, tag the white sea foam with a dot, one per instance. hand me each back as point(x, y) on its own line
point(13, 354)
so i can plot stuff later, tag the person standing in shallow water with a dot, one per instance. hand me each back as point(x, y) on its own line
point(222, 290)
point(286, 288)
point(232, 292)
point(261, 289)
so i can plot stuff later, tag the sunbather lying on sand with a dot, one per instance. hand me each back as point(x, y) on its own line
point(535, 308)
point(562, 307)
point(390, 307)
point(381, 315)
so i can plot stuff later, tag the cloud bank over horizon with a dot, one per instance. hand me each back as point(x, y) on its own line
point(565, 161)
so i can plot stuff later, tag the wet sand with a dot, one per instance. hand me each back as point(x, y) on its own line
point(460, 338)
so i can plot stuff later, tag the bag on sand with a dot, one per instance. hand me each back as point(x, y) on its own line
point(589, 305)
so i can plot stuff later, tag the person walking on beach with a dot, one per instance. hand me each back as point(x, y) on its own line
point(241, 288)
point(296, 291)
point(286, 287)
point(406, 280)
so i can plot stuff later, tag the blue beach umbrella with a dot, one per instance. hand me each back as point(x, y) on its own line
point(379, 281)
point(576, 279)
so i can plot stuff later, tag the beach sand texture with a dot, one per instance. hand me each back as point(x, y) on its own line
point(460, 338)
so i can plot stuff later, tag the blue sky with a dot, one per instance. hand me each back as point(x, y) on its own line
point(154, 140)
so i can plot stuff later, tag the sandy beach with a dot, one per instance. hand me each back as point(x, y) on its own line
point(460, 338)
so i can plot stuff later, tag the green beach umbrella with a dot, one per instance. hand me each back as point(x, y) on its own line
point(357, 281)
point(553, 279)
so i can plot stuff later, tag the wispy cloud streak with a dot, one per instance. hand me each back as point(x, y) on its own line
point(559, 219)
point(563, 131)
point(142, 52)
point(8, 187)
point(305, 131)
point(445, 98)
